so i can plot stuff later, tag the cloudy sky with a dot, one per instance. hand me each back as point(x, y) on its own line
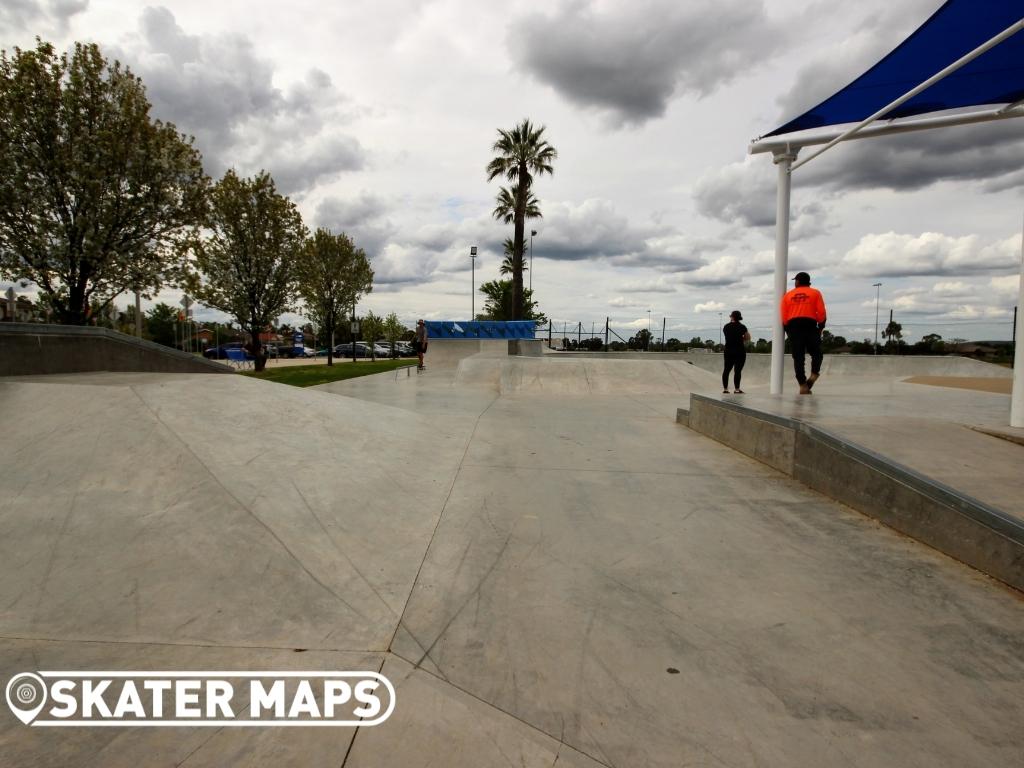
point(377, 118)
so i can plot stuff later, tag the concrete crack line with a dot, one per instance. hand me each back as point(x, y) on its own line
point(338, 549)
point(352, 741)
point(225, 646)
point(440, 517)
point(252, 514)
point(512, 715)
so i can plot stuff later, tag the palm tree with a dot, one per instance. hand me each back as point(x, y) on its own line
point(505, 211)
point(522, 153)
point(506, 263)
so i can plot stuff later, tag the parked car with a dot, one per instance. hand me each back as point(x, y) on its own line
point(220, 353)
point(300, 351)
point(345, 350)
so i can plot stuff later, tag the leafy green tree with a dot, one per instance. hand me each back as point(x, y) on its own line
point(372, 327)
point(244, 265)
point(393, 330)
point(498, 304)
point(522, 153)
point(331, 275)
point(642, 340)
point(159, 325)
point(94, 194)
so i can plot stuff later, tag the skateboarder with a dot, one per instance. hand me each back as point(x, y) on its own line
point(803, 317)
point(419, 342)
point(735, 334)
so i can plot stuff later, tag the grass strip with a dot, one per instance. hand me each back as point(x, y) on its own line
point(311, 375)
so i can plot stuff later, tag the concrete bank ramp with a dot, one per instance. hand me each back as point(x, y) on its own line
point(446, 353)
point(546, 375)
point(221, 510)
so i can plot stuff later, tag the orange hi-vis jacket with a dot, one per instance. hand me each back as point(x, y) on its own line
point(803, 301)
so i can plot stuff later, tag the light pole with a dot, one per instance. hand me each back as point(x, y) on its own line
point(532, 233)
point(878, 290)
point(472, 284)
point(648, 345)
point(719, 329)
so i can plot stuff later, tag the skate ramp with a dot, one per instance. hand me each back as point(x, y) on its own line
point(553, 376)
point(216, 510)
point(446, 353)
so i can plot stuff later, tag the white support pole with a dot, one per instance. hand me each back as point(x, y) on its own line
point(1017, 398)
point(783, 160)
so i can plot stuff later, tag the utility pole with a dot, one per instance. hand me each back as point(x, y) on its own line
point(606, 321)
point(472, 284)
point(878, 290)
point(663, 334)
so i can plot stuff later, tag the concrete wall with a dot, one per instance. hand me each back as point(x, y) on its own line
point(30, 349)
point(962, 527)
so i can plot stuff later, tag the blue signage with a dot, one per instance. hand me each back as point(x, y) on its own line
point(480, 329)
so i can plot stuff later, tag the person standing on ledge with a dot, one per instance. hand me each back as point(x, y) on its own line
point(735, 334)
point(419, 342)
point(803, 317)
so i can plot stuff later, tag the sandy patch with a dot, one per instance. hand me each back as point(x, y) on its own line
point(999, 386)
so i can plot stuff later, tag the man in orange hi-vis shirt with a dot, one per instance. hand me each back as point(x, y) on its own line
point(803, 317)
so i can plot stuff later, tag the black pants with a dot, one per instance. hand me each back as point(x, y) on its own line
point(733, 361)
point(804, 338)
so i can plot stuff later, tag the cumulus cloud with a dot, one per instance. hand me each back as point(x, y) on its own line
point(709, 306)
point(31, 15)
point(931, 253)
point(988, 153)
point(659, 285)
point(219, 89)
point(623, 302)
point(363, 218)
point(629, 61)
point(744, 193)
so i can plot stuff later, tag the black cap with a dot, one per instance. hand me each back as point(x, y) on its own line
point(802, 277)
point(736, 313)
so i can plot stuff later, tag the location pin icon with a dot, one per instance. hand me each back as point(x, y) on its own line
point(26, 695)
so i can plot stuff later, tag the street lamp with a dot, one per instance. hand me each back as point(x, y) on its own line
point(878, 290)
point(532, 233)
point(719, 329)
point(472, 284)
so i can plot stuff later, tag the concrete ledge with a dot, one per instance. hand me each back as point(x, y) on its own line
point(918, 506)
point(31, 349)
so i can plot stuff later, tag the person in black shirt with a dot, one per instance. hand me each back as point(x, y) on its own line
point(735, 334)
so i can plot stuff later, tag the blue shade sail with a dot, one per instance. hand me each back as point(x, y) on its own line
point(954, 30)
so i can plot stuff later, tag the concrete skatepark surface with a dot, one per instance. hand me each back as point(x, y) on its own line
point(547, 567)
